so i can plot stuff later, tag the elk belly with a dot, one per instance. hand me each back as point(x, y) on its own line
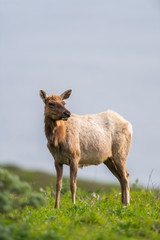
point(95, 150)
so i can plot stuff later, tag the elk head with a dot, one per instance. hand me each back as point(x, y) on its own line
point(55, 105)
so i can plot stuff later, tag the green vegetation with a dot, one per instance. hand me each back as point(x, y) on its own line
point(96, 216)
point(42, 180)
point(15, 194)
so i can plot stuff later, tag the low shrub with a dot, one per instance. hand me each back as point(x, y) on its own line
point(16, 194)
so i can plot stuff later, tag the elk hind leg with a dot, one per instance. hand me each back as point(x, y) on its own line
point(111, 165)
point(120, 164)
point(120, 172)
point(125, 189)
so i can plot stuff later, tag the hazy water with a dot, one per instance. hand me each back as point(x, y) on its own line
point(107, 51)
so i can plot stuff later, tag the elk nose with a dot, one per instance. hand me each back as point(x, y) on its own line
point(67, 114)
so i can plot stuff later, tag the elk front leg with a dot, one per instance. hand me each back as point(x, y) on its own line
point(73, 179)
point(59, 169)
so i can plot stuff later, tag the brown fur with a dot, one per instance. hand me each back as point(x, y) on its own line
point(55, 132)
point(86, 140)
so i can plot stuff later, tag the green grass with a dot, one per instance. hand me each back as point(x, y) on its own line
point(96, 216)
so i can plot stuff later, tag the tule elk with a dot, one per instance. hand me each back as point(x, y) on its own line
point(86, 140)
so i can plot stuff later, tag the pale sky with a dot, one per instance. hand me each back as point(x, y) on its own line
point(108, 52)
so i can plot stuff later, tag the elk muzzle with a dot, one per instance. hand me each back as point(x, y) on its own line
point(66, 115)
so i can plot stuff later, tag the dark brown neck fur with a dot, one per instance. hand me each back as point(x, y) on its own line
point(55, 131)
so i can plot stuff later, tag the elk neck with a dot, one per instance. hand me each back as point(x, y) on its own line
point(55, 131)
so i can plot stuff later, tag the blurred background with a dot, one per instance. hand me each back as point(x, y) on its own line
point(108, 52)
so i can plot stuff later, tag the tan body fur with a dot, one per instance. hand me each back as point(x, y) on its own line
point(89, 140)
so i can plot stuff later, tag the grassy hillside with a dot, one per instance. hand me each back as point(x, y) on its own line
point(96, 216)
point(42, 180)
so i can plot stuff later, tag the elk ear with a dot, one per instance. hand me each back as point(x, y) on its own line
point(43, 95)
point(66, 94)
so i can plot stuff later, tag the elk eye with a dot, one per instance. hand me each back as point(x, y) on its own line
point(51, 104)
point(63, 103)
